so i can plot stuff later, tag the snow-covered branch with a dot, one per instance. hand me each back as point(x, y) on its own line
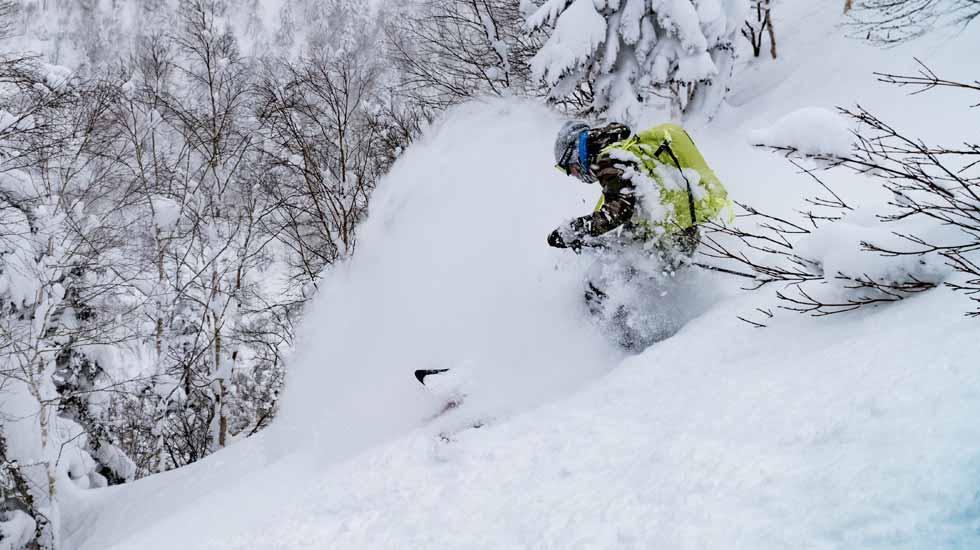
point(928, 234)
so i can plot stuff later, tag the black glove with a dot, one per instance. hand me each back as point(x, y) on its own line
point(555, 240)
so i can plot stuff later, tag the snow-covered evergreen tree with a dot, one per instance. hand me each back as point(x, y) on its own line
point(629, 56)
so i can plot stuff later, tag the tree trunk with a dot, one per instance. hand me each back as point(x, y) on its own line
point(222, 417)
point(772, 34)
point(160, 279)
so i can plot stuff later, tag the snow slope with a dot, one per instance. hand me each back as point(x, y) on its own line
point(843, 433)
point(817, 445)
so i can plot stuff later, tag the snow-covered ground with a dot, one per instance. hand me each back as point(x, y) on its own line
point(850, 432)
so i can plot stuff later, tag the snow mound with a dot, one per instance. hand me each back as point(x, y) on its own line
point(811, 130)
point(840, 249)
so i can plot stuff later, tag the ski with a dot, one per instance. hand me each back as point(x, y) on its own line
point(421, 374)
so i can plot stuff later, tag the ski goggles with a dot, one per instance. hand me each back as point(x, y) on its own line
point(576, 169)
point(566, 156)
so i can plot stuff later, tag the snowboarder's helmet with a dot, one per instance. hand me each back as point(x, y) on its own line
point(566, 143)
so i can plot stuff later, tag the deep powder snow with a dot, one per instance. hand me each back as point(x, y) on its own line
point(855, 432)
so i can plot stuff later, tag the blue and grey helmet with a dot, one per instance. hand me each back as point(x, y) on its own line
point(566, 143)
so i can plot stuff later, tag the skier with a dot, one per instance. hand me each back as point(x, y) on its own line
point(656, 189)
point(662, 162)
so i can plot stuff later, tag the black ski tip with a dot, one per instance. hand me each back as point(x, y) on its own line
point(422, 373)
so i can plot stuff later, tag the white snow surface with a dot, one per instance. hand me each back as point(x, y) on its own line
point(850, 432)
point(811, 130)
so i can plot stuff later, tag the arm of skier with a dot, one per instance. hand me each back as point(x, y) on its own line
point(616, 209)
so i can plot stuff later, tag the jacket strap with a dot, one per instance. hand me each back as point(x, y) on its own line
point(665, 146)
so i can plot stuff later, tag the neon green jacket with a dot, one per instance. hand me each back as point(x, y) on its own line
point(669, 165)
